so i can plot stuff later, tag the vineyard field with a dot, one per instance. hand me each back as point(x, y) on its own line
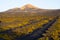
point(22, 27)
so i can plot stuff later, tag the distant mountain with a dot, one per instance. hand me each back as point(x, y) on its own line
point(28, 8)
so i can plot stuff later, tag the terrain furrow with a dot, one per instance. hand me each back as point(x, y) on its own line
point(38, 32)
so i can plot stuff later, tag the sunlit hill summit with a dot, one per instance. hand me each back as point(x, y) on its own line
point(28, 6)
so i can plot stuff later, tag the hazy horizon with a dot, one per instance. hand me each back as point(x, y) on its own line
point(45, 4)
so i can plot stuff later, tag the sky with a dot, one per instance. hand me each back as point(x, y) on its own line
point(45, 4)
